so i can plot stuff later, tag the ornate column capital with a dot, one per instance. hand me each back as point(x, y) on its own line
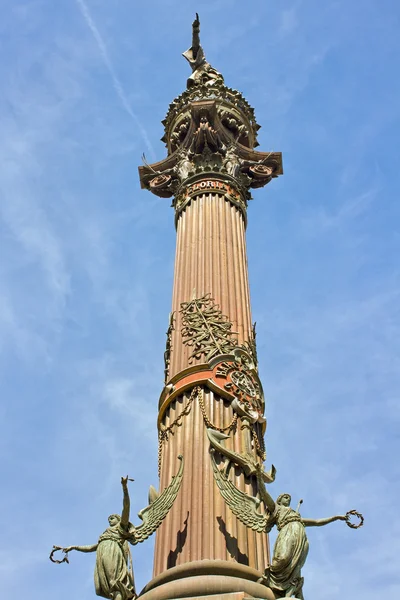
point(208, 141)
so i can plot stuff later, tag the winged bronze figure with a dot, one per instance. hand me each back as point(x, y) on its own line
point(283, 575)
point(113, 575)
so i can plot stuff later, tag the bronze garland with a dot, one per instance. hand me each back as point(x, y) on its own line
point(164, 432)
point(355, 514)
point(259, 446)
point(209, 423)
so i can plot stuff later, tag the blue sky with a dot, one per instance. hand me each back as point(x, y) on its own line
point(87, 266)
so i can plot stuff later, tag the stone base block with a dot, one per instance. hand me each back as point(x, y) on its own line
point(213, 579)
point(228, 596)
point(209, 586)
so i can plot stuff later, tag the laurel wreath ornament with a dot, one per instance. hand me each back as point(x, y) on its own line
point(55, 560)
point(354, 513)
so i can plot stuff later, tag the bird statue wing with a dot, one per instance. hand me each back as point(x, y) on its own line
point(242, 505)
point(155, 513)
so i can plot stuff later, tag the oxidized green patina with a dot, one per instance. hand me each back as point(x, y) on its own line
point(113, 575)
point(283, 575)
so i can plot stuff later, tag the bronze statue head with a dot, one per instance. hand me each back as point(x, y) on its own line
point(114, 520)
point(284, 499)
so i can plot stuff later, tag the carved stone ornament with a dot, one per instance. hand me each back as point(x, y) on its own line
point(215, 185)
point(205, 329)
point(233, 121)
point(161, 186)
point(205, 137)
point(210, 133)
point(204, 146)
point(179, 133)
point(233, 106)
point(260, 174)
point(242, 381)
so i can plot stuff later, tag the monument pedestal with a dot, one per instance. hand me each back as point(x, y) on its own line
point(207, 579)
point(228, 596)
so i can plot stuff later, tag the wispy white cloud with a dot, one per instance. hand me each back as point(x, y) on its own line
point(115, 79)
point(126, 396)
point(30, 241)
point(319, 220)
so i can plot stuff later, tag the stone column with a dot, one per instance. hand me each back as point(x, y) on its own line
point(210, 259)
point(211, 382)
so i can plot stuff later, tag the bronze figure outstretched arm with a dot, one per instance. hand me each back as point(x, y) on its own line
point(265, 497)
point(126, 503)
point(321, 522)
point(91, 548)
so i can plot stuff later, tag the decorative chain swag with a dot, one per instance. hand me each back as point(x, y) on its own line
point(259, 445)
point(229, 428)
point(164, 432)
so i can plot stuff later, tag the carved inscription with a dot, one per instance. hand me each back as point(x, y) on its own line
point(211, 184)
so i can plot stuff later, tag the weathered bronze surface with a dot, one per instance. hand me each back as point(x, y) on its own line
point(205, 329)
point(113, 575)
point(210, 129)
point(247, 462)
point(203, 72)
point(283, 575)
point(167, 353)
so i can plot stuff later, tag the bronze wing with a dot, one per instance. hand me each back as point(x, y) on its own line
point(249, 465)
point(242, 505)
point(155, 513)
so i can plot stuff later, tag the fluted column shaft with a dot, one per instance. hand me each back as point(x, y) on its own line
point(210, 258)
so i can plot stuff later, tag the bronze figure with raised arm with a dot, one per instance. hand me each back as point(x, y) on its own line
point(113, 575)
point(202, 71)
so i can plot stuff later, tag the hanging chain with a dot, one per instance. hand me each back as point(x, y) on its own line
point(159, 452)
point(260, 447)
point(207, 421)
point(164, 432)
